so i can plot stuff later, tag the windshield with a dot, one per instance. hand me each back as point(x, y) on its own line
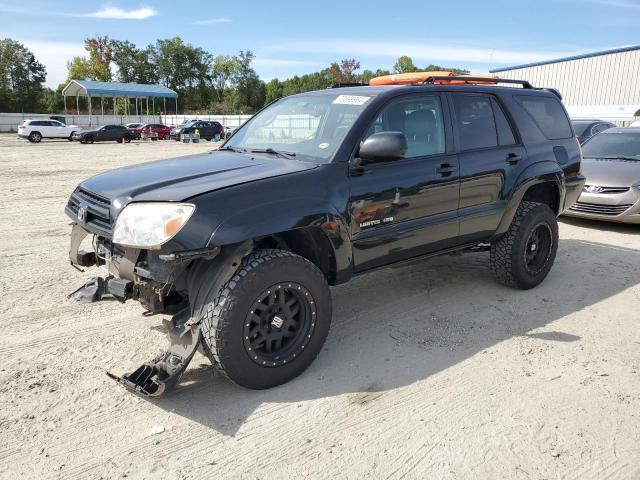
point(613, 145)
point(309, 127)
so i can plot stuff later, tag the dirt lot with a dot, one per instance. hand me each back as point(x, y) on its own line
point(431, 370)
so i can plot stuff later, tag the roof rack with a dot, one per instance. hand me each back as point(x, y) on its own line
point(347, 84)
point(467, 80)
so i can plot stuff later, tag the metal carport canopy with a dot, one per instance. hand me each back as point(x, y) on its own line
point(91, 88)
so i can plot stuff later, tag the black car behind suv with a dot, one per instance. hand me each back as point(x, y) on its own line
point(106, 133)
point(240, 245)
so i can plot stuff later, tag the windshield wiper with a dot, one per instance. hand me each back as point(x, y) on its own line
point(233, 149)
point(271, 151)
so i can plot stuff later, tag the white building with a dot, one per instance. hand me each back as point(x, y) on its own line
point(604, 85)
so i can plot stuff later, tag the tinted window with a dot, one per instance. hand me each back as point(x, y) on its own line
point(420, 119)
point(581, 128)
point(505, 133)
point(39, 123)
point(548, 114)
point(475, 121)
point(613, 144)
point(601, 127)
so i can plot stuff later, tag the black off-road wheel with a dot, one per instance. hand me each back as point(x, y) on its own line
point(269, 322)
point(523, 257)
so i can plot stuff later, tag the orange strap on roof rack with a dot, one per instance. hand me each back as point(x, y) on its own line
point(414, 78)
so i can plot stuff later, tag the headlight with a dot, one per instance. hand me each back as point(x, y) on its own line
point(149, 225)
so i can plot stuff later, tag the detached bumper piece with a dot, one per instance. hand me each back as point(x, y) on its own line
point(98, 288)
point(160, 375)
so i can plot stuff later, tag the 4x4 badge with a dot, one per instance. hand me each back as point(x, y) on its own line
point(82, 214)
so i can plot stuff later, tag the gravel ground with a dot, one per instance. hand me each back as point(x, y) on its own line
point(431, 370)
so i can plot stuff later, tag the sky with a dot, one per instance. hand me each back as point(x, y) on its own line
point(297, 37)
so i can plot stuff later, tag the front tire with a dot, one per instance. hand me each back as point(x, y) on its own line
point(269, 322)
point(88, 140)
point(523, 257)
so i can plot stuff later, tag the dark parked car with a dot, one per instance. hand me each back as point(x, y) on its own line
point(207, 130)
point(587, 128)
point(241, 244)
point(103, 134)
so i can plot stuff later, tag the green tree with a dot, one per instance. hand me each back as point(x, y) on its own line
point(367, 75)
point(21, 78)
point(134, 64)
point(438, 68)
point(344, 71)
point(100, 56)
point(404, 64)
point(185, 69)
point(78, 69)
point(222, 71)
point(273, 91)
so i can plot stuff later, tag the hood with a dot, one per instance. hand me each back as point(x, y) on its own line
point(179, 179)
point(611, 173)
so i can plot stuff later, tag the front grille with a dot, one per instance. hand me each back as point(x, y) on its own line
point(599, 209)
point(98, 212)
point(600, 189)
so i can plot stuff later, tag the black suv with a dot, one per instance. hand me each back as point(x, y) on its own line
point(207, 130)
point(240, 245)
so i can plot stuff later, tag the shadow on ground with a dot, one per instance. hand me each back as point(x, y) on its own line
point(400, 325)
point(626, 228)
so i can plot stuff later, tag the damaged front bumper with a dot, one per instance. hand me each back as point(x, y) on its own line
point(169, 283)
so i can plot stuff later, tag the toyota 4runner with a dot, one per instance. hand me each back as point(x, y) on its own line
point(241, 244)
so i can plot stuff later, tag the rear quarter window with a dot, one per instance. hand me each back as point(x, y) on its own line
point(548, 115)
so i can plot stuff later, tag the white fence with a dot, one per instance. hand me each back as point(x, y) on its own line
point(9, 121)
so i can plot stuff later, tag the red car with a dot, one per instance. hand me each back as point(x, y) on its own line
point(146, 129)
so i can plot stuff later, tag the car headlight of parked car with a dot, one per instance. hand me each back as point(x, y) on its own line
point(149, 225)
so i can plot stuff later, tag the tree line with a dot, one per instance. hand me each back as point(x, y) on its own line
point(205, 83)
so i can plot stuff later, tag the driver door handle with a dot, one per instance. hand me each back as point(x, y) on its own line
point(445, 169)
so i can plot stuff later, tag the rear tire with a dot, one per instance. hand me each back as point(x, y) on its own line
point(523, 257)
point(269, 322)
point(35, 137)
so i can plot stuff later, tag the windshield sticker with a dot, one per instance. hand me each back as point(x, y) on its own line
point(350, 99)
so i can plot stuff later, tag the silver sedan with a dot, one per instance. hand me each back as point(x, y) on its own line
point(612, 168)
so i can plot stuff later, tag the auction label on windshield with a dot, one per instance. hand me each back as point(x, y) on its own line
point(351, 99)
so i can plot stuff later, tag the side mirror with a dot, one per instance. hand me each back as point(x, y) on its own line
point(384, 147)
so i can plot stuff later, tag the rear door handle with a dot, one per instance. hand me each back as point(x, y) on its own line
point(445, 169)
point(513, 158)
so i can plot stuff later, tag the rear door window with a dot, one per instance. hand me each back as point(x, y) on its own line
point(548, 115)
point(475, 122)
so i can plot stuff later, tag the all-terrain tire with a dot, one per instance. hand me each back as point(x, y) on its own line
point(223, 324)
point(533, 231)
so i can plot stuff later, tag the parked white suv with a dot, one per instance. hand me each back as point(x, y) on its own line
point(36, 130)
